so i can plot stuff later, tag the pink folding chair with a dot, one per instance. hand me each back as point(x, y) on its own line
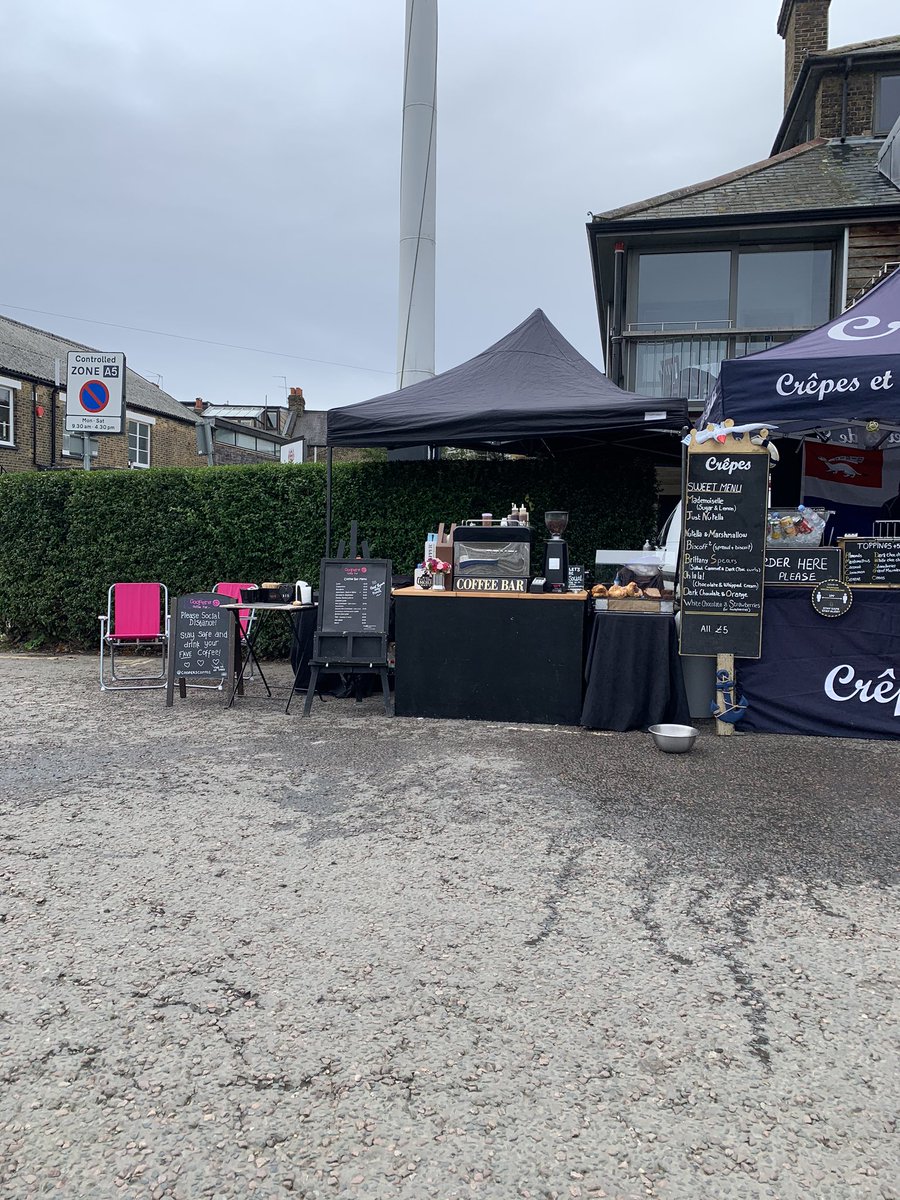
point(137, 616)
point(245, 615)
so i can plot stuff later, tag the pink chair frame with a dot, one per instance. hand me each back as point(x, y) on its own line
point(137, 615)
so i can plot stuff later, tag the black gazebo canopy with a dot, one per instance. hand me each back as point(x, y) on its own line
point(529, 393)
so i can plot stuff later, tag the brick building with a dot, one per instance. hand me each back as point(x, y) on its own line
point(732, 265)
point(246, 434)
point(158, 430)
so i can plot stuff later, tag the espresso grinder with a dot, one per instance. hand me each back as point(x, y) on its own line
point(556, 553)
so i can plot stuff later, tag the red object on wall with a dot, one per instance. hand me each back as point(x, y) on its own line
point(40, 410)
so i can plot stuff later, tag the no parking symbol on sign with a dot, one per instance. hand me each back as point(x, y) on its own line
point(95, 392)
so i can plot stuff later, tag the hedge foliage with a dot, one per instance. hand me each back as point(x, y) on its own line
point(66, 536)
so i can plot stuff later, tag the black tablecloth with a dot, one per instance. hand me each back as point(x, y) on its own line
point(633, 673)
point(302, 644)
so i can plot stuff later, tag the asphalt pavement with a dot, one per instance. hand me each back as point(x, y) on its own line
point(246, 954)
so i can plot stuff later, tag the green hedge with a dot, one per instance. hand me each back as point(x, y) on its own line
point(65, 536)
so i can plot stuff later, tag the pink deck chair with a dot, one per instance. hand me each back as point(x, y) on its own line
point(137, 615)
point(245, 615)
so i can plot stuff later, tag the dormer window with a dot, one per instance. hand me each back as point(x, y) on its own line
point(887, 103)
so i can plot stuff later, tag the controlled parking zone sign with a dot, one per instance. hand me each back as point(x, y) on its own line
point(95, 392)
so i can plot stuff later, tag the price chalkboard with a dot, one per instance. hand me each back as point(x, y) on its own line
point(199, 639)
point(871, 562)
point(354, 596)
point(802, 566)
point(723, 548)
point(354, 610)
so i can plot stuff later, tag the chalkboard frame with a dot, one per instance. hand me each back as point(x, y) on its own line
point(175, 627)
point(854, 542)
point(691, 644)
point(351, 647)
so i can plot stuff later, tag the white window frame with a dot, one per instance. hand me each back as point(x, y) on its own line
point(141, 420)
point(11, 386)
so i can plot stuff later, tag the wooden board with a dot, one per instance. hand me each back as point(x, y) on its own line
point(623, 604)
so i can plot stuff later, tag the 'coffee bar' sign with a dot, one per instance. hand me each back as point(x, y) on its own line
point(724, 547)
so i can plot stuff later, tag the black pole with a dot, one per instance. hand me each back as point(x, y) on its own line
point(328, 502)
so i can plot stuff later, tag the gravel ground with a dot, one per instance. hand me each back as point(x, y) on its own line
point(246, 954)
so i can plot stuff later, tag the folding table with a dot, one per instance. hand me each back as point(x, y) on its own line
point(238, 663)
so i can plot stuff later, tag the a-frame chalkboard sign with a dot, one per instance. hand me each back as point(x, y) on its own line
point(354, 610)
point(199, 642)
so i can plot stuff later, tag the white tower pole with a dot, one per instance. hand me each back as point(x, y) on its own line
point(415, 339)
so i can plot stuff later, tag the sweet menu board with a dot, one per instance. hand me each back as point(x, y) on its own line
point(724, 548)
point(354, 596)
point(871, 562)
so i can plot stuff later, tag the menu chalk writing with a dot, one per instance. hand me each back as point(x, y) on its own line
point(200, 636)
point(723, 551)
point(872, 562)
point(354, 596)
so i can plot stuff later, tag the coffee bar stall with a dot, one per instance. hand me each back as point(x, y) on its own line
point(510, 637)
point(829, 662)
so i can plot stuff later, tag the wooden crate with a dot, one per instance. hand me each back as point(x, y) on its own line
point(624, 604)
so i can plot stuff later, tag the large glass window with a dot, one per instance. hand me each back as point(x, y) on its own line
point(684, 291)
point(783, 289)
point(887, 103)
point(6, 416)
point(138, 444)
point(768, 288)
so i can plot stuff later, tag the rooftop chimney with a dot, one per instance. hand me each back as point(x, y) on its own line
point(199, 405)
point(296, 402)
point(804, 26)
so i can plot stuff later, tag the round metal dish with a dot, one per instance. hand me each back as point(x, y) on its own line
point(674, 739)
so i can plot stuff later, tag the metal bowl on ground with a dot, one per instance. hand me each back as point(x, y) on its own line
point(674, 739)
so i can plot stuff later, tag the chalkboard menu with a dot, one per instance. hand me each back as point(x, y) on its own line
point(723, 549)
point(802, 566)
point(354, 610)
point(871, 562)
point(199, 631)
point(354, 596)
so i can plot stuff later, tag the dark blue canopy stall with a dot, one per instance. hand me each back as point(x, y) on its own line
point(845, 372)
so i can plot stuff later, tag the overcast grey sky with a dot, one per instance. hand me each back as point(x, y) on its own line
point(230, 171)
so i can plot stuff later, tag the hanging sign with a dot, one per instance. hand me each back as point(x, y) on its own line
point(832, 598)
point(95, 392)
point(724, 547)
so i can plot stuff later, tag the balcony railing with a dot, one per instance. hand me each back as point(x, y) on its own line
point(685, 365)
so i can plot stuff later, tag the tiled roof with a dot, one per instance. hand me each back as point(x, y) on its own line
point(25, 350)
point(817, 175)
point(885, 45)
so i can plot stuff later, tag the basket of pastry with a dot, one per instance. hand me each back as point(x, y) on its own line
point(628, 597)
